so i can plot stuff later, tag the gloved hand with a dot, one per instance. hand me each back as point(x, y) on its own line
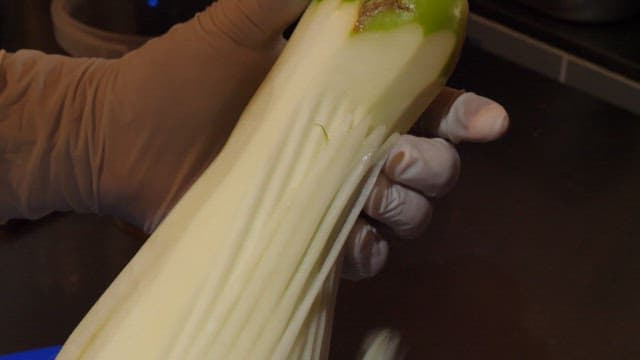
point(127, 137)
point(417, 170)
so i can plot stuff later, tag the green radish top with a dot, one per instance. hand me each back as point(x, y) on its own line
point(431, 15)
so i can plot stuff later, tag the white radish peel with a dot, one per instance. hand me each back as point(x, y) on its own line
point(245, 265)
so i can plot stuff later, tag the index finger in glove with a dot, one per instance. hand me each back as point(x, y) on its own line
point(464, 116)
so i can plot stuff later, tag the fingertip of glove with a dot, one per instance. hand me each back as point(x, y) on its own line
point(476, 118)
point(367, 255)
point(492, 121)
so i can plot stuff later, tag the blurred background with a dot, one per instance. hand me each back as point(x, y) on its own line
point(27, 23)
point(535, 254)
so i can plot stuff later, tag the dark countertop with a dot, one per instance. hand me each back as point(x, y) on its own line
point(535, 255)
point(615, 46)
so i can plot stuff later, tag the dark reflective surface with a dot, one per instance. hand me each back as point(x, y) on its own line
point(612, 45)
point(535, 255)
point(51, 272)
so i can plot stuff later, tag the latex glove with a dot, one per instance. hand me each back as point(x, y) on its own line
point(127, 137)
point(417, 170)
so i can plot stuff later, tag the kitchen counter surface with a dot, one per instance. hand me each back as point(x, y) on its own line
point(614, 46)
point(535, 254)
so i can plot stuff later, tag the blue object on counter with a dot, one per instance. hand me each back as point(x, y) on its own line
point(48, 353)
